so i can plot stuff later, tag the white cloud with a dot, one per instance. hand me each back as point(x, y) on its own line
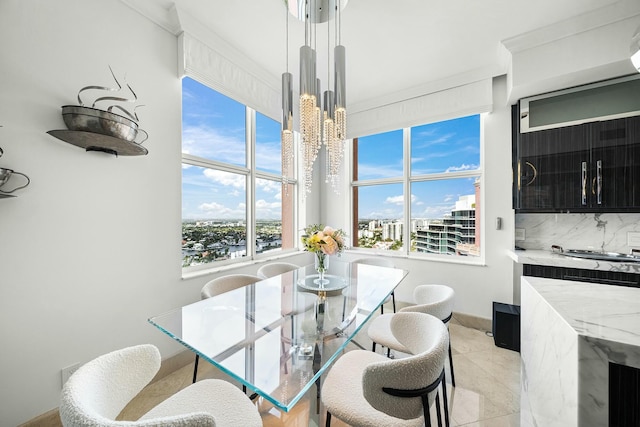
point(208, 142)
point(216, 210)
point(263, 204)
point(268, 210)
point(268, 185)
point(399, 200)
point(225, 178)
point(462, 167)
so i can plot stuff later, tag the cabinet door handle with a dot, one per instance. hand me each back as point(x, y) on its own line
point(535, 173)
point(599, 181)
point(584, 183)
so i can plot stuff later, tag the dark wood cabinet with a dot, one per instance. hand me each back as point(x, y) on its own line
point(591, 167)
point(604, 277)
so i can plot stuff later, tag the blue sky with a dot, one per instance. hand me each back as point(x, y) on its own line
point(214, 128)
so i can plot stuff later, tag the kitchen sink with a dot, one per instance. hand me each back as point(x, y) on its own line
point(603, 256)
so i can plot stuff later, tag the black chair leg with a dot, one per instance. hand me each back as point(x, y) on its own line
point(438, 413)
point(393, 300)
point(373, 348)
point(328, 421)
point(445, 401)
point(425, 410)
point(453, 378)
point(195, 369)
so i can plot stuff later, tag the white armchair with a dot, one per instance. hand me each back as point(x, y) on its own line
point(275, 268)
point(98, 391)
point(366, 389)
point(436, 300)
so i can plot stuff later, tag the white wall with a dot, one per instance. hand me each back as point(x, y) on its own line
point(88, 251)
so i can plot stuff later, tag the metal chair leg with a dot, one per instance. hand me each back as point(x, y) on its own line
point(426, 414)
point(393, 300)
point(445, 401)
point(453, 378)
point(195, 369)
point(438, 413)
point(328, 421)
point(373, 348)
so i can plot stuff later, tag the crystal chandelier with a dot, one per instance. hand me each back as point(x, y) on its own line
point(320, 123)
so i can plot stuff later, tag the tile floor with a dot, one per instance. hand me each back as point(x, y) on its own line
point(487, 392)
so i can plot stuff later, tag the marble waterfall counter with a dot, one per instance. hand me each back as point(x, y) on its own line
point(570, 333)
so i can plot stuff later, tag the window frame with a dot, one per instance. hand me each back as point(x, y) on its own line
point(251, 173)
point(406, 180)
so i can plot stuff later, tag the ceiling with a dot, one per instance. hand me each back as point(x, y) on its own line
point(394, 48)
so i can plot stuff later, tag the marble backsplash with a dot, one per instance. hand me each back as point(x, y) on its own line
point(594, 231)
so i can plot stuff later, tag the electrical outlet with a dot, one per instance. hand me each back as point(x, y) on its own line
point(68, 371)
point(633, 238)
point(519, 234)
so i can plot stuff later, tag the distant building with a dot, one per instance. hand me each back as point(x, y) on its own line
point(453, 234)
point(392, 231)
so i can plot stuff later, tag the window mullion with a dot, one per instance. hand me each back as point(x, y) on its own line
point(446, 175)
point(250, 127)
point(406, 232)
point(213, 164)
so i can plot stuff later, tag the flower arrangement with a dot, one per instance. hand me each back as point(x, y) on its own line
point(320, 239)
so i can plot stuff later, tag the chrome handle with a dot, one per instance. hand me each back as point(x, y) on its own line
point(599, 181)
point(584, 183)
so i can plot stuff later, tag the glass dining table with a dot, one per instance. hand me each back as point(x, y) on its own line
point(279, 335)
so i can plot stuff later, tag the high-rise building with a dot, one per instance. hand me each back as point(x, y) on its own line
point(453, 234)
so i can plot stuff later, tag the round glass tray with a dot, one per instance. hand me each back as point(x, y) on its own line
point(335, 283)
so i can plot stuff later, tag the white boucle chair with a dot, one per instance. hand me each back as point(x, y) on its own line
point(436, 300)
point(381, 262)
point(275, 268)
point(98, 391)
point(218, 286)
point(367, 389)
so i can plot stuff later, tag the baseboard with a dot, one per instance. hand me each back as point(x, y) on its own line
point(466, 320)
point(48, 419)
point(473, 322)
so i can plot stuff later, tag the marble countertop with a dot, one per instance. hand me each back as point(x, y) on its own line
point(602, 312)
point(541, 257)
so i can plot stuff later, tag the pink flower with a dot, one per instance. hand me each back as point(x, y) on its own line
point(330, 246)
point(328, 230)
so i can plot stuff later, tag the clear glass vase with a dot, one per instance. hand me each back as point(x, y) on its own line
point(321, 265)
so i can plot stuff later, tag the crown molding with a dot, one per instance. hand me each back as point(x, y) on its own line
point(601, 17)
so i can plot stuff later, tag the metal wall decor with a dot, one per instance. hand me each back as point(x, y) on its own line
point(5, 175)
point(96, 129)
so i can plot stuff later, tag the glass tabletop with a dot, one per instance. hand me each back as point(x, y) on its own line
point(279, 335)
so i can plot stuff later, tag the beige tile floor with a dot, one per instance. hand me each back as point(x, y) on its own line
point(487, 392)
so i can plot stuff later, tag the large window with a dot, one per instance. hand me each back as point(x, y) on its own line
point(438, 166)
point(233, 203)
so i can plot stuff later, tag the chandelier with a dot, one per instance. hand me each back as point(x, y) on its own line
point(322, 117)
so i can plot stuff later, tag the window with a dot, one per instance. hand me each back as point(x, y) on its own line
point(233, 206)
point(438, 165)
